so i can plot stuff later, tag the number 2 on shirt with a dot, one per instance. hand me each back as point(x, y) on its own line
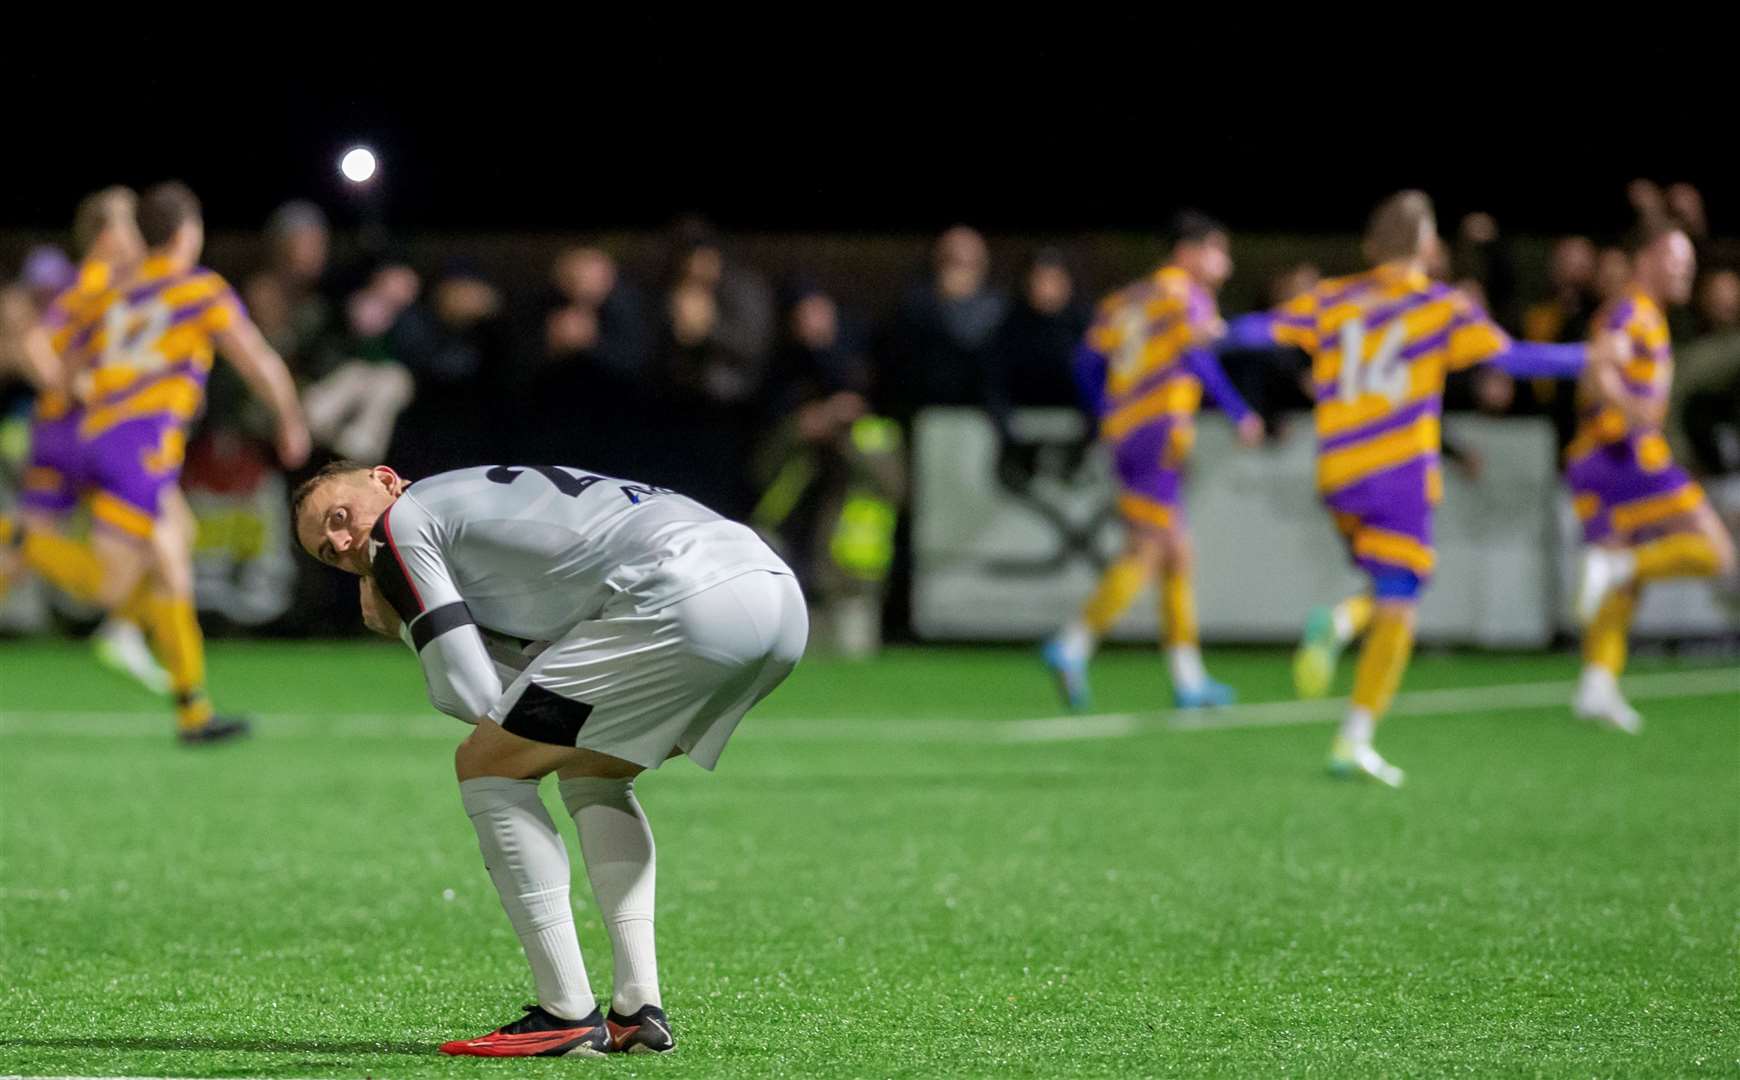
point(568, 483)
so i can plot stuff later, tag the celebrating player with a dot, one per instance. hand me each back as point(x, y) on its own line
point(1146, 360)
point(1643, 518)
point(1381, 343)
point(588, 627)
point(106, 236)
point(137, 354)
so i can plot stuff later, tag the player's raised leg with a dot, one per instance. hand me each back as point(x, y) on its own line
point(1328, 631)
point(1691, 544)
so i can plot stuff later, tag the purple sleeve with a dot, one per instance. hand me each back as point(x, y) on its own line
point(1538, 360)
point(1253, 331)
point(1206, 367)
point(1089, 369)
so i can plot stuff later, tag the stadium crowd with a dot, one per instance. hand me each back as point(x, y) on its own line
point(772, 398)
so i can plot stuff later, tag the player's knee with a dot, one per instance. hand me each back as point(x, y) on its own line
point(1180, 554)
point(1149, 551)
point(473, 757)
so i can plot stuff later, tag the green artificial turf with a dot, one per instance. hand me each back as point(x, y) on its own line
point(877, 882)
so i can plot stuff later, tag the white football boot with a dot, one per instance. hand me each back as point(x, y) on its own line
point(1351, 760)
point(1598, 699)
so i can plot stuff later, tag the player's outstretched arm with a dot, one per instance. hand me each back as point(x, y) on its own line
point(1541, 360)
point(1205, 365)
point(268, 379)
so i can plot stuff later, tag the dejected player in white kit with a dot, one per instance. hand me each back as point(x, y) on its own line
point(587, 626)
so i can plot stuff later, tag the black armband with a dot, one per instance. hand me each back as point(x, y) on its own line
point(432, 624)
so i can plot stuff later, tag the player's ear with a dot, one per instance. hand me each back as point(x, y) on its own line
point(386, 477)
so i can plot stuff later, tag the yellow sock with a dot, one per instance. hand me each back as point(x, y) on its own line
point(1178, 609)
point(1605, 641)
point(1352, 616)
point(1684, 554)
point(180, 648)
point(69, 565)
point(1118, 587)
point(1382, 660)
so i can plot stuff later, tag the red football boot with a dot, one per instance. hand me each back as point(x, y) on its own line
point(539, 1034)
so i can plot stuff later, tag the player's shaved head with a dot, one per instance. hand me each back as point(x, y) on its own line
point(164, 209)
point(1402, 227)
point(334, 510)
point(100, 211)
point(330, 470)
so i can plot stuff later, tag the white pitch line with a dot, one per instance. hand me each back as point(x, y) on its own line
point(429, 725)
point(433, 726)
point(1448, 702)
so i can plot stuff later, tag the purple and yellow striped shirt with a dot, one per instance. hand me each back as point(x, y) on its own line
point(145, 346)
point(1141, 343)
point(1381, 344)
point(1646, 373)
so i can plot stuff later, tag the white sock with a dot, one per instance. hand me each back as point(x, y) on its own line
point(1596, 685)
point(529, 864)
point(1077, 640)
point(1343, 622)
point(1185, 662)
point(617, 844)
point(1358, 726)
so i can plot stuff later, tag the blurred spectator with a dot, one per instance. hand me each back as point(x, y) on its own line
point(1612, 273)
point(359, 386)
point(588, 350)
point(1719, 302)
point(831, 476)
point(1686, 204)
point(1564, 314)
point(1704, 415)
point(1646, 198)
point(1483, 256)
point(456, 349)
point(718, 319)
point(592, 317)
point(1029, 360)
point(716, 331)
point(937, 346)
point(286, 298)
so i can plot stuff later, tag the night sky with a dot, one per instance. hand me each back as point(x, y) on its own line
point(885, 130)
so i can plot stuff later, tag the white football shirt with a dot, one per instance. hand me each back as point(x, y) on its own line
point(529, 551)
